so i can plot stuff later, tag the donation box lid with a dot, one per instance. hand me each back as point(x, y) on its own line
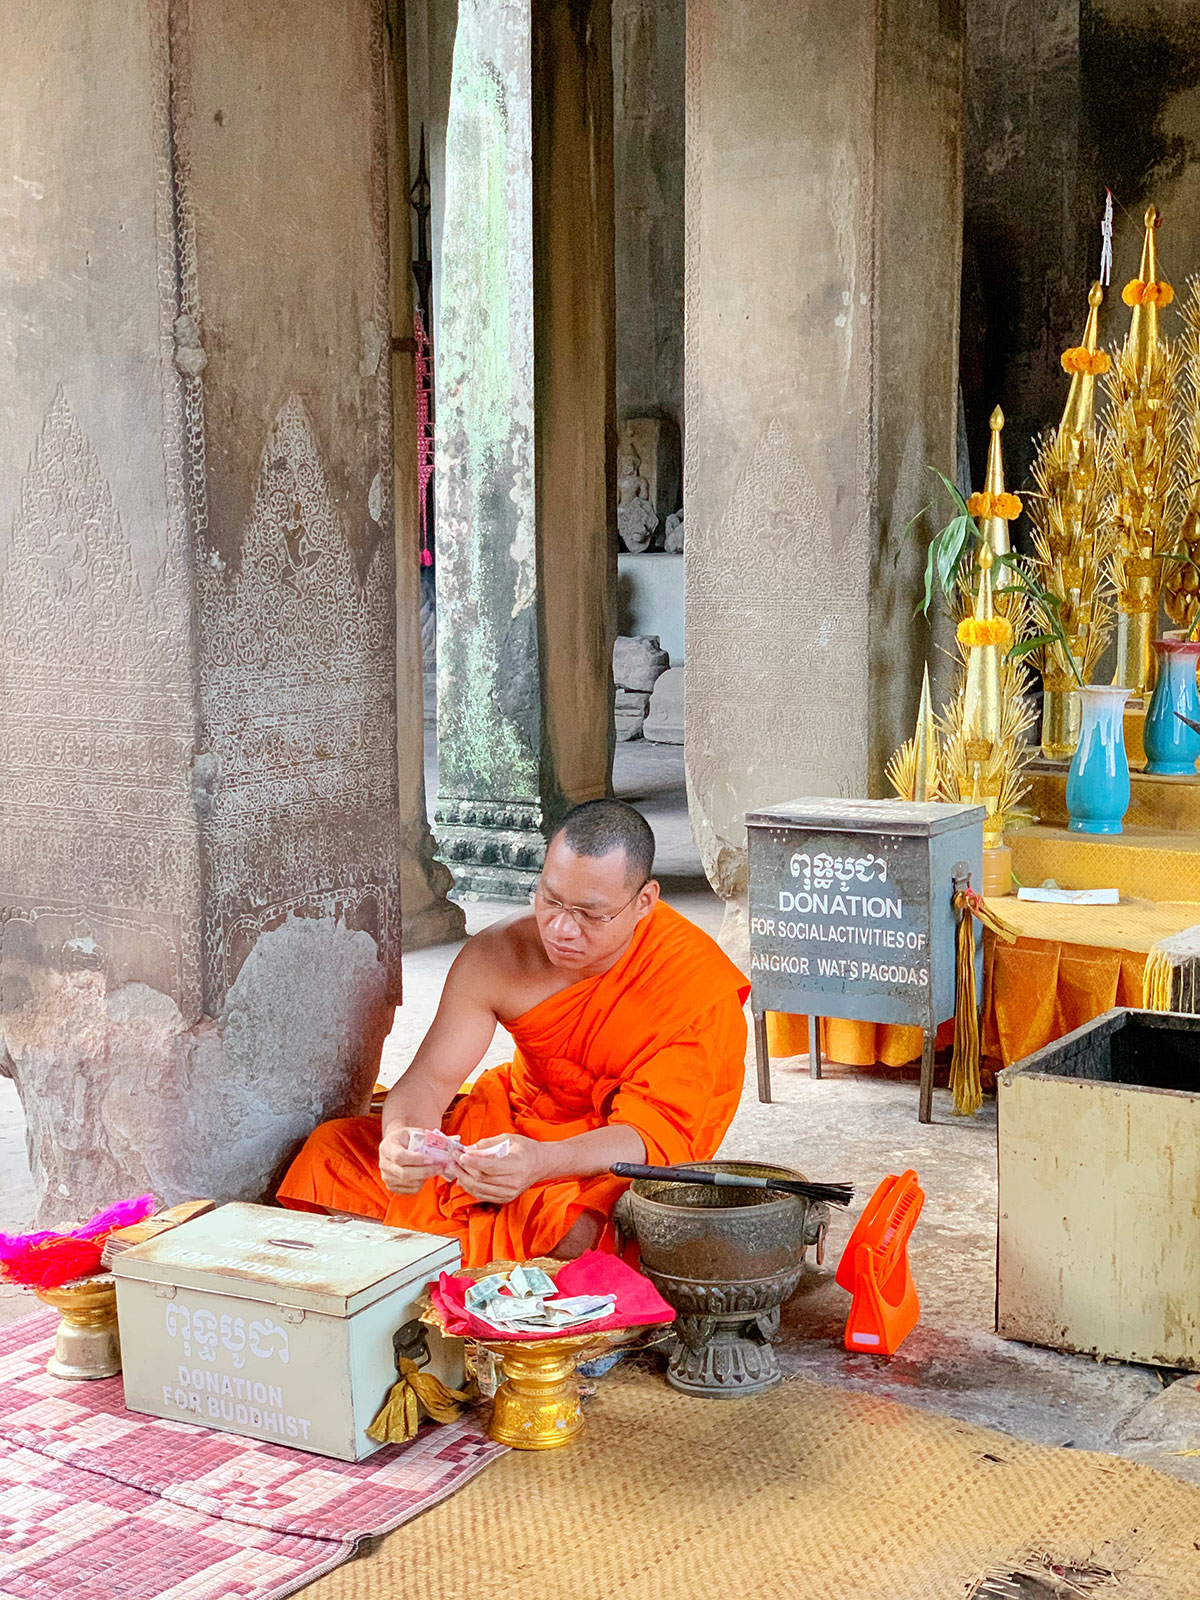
point(922, 818)
point(336, 1265)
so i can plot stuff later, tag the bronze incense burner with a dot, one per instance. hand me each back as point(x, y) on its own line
point(726, 1259)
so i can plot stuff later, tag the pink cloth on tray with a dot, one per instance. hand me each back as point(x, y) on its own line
point(597, 1272)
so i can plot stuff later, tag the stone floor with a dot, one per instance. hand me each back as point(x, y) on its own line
point(849, 1125)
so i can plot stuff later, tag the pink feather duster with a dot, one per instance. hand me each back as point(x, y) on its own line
point(47, 1260)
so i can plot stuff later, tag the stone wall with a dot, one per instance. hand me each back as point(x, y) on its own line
point(1026, 244)
point(648, 125)
point(1064, 99)
point(199, 913)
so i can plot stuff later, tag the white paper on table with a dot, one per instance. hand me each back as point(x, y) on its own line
point(1072, 897)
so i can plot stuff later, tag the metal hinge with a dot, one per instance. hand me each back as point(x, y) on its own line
point(291, 1314)
point(164, 1291)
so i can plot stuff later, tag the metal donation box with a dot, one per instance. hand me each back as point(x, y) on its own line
point(852, 915)
point(279, 1324)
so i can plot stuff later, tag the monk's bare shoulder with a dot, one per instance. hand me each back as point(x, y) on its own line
point(504, 966)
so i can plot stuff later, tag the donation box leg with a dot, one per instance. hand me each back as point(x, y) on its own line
point(762, 1056)
point(814, 1047)
point(925, 1111)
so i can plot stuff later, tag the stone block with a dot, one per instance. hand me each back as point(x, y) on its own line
point(639, 662)
point(664, 721)
point(630, 711)
point(629, 714)
point(631, 702)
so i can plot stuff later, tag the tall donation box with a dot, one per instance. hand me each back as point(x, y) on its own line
point(279, 1324)
point(852, 912)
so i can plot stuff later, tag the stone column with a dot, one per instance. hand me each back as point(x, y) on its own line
point(526, 549)
point(648, 124)
point(823, 236)
point(429, 917)
point(199, 908)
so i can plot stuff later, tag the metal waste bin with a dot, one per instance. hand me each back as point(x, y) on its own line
point(1099, 1191)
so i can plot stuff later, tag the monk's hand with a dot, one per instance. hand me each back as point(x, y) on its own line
point(402, 1171)
point(497, 1179)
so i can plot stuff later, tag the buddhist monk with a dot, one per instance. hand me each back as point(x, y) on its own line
point(630, 1046)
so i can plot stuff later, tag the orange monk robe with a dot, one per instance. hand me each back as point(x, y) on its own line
point(657, 1043)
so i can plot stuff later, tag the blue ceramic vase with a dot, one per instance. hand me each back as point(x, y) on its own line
point(1098, 782)
point(1171, 746)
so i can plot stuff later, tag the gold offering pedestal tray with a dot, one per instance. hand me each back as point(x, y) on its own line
point(537, 1403)
point(87, 1344)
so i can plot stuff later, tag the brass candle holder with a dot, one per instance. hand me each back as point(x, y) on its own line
point(87, 1344)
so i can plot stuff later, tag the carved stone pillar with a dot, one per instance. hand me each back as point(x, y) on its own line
point(526, 549)
point(824, 219)
point(429, 917)
point(199, 908)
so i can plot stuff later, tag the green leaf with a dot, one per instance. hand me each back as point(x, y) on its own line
point(910, 527)
point(1028, 645)
point(952, 490)
point(950, 553)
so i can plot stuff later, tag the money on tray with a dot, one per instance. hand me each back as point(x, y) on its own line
point(531, 1280)
point(526, 1298)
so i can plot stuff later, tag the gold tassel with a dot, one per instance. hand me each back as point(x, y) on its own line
point(964, 1064)
point(400, 1415)
point(1156, 981)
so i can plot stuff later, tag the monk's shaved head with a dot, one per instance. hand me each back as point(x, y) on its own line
point(602, 826)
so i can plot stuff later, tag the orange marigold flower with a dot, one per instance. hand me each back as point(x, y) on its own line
point(985, 630)
point(1156, 293)
point(983, 504)
point(1080, 359)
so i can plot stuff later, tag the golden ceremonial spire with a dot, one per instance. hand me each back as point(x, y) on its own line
point(1085, 362)
point(986, 637)
point(995, 527)
point(927, 779)
point(1146, 293)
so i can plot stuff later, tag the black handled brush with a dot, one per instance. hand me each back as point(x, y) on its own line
point(836, 1194)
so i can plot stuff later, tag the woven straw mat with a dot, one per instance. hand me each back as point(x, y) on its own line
point(807, 1493)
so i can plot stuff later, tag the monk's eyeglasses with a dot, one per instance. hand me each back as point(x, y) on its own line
point(582, 916)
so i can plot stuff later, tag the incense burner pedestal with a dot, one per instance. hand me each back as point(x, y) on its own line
point(726, 1341)
point(87, 1344)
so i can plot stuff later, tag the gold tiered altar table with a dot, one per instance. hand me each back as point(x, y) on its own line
point(1156, 857)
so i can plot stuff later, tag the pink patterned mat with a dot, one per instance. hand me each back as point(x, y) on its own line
point(101, 1502)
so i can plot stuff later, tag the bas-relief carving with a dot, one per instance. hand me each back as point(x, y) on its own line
point(777, 651)
point(96, 829)
point(637, 520)
point(297, 705)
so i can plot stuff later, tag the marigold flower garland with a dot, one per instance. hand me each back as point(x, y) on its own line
point(1156, 293)
point(983, 504)
point(985, 630)
point(1093, 363)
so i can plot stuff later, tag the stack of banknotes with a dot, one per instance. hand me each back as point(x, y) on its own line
point(443, 1149)
point(526, 1300)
